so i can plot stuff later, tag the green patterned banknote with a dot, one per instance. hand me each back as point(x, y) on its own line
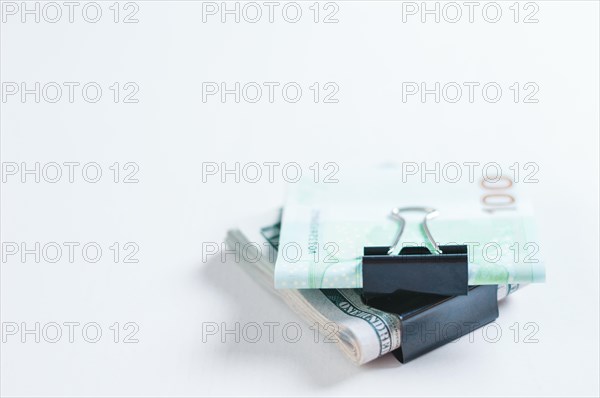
point(325, 227)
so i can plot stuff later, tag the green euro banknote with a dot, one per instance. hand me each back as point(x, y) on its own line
point(325, 227)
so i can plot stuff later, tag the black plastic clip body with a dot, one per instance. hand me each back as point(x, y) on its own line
point(416, 269)
point(429, 321)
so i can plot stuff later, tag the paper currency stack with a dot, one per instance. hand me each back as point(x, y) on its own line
point(310, 252)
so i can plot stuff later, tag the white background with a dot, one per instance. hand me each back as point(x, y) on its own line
point(170, 212)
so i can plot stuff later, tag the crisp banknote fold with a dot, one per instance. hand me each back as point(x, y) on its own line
point(326, 226)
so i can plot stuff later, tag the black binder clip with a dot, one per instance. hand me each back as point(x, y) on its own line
point(387, 270)
point(429, 321)
point(427, 289)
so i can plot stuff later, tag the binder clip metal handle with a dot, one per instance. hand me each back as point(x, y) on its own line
point(443, 271)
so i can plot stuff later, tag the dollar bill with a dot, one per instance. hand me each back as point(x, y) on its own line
point(326, 226)
point(361, 332)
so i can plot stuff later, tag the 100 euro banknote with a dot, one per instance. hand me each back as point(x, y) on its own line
point(325, 228)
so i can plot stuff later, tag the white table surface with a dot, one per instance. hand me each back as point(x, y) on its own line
point(170, 293)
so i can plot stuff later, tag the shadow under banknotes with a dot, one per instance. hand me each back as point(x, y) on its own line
point(260, 325)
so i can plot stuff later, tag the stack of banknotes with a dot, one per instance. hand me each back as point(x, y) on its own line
point(310, 252)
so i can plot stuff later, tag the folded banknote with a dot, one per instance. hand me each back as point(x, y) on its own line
point(325, 227)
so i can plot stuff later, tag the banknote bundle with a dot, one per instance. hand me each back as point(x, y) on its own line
point(310, 254)
point(361, 332)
